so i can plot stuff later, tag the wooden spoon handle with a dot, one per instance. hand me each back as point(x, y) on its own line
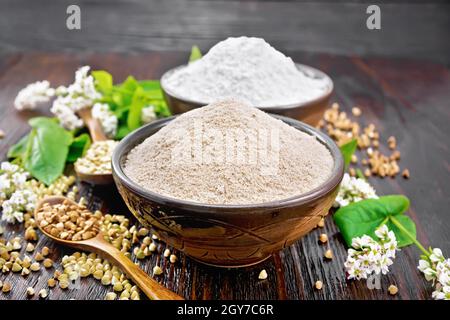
point(95, 129)
point(150, 287)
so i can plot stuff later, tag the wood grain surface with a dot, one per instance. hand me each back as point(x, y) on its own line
point(405, 98)
point(409, 28)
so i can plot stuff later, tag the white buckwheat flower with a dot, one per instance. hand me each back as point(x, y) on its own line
point(107, 119)
point(33, 95)
point(369, 256)
point(437, 269)
point(148, 114)
point(353, 190)
point(80, 94)
point(12, 177)
point(20, 202)
point(66, 116)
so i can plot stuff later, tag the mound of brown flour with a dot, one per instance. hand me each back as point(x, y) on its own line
point(229, 153)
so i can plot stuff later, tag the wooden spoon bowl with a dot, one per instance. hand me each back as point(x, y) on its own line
point(96, 132)
point(99, 245)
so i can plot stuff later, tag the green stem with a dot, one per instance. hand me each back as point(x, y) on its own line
point(360, 174)
point(410, 236)
point(383, 222)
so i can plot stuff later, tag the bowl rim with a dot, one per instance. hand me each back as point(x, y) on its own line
point(138, 136)
point(303, 67)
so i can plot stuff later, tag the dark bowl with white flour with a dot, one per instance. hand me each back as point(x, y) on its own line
point(309, 111)
point(227, 235)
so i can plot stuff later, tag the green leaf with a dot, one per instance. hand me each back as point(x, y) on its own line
point(122, 112)
point(161, 108)
point(122, 131)
point(348, 150)
point(130, 84)
point(149, 85)
point(134, 115)
point(78, 147)
point(195, 54)
point(127, 99)
point(47, 149)
point(103, 80)
point(407, 223)
point(364, 217)
point(18, 150)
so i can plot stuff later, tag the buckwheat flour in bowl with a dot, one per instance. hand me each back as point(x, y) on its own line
point(248, 68)
point(229, 153)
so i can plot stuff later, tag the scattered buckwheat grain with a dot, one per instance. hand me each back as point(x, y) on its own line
point(405, 173)
point(262, 275)
point(323, 238)
point(393, 289)
point(321, 223)
point(30, 291)
point(157, 271)
point(43, 293)
point(318, 285)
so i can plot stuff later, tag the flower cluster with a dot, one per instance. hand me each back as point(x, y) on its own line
point(33, 95)
point(66, 116)
point(12, 178)
point(369, 256)
point(15, 196)
point(20, 202)
point(437, 269)
point(353, 190)
point(148, 114)
point(78, 95)
point(107, 119)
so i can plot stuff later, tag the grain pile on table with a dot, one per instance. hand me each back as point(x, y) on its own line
point(338, 125)
point(206, 166)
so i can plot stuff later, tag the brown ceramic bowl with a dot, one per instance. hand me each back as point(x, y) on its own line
point(309, 112)
point(227, 235)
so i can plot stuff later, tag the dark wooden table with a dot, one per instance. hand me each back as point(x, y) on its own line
point(408, 99)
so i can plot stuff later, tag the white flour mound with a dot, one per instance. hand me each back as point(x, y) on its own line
point(301, 162)
point(248, 69)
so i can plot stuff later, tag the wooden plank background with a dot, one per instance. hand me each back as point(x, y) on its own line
point(406, 98)
point(417, 28)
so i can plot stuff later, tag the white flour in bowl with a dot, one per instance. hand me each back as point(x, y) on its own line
point(229, 153)
point(245, 68)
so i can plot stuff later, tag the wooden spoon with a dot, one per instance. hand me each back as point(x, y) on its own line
point(99, 245)
point(96, 132)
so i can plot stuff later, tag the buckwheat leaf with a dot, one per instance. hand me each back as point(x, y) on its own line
point(18, 150)
point(122, 131)
point(130, 84)
point(78, 147)
point(47, 149)
point(134, 115)
point(103, 80)
point(348, 150)
point(408, 224)
point(359, 218)
point(364, 217)
point(150, 85)
point(195, 54)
